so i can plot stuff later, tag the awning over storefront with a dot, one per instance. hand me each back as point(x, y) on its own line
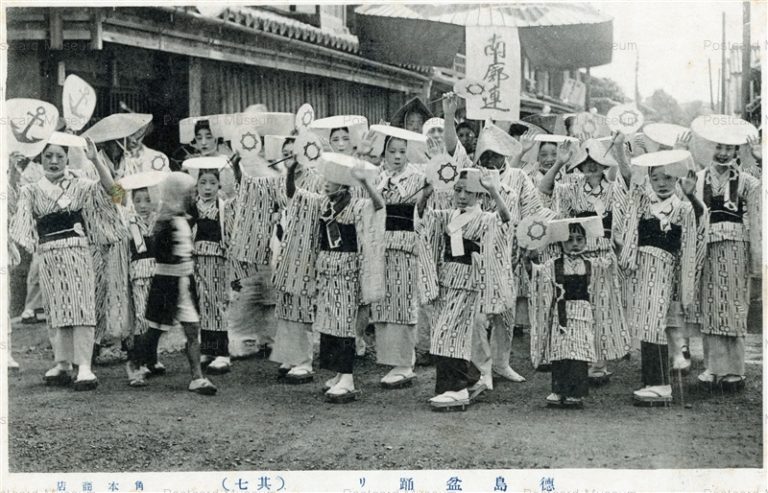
point(553, 35)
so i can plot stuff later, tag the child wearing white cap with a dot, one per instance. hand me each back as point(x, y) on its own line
point(733, 247)
point(562, 305)
point(472, 280)
point(141, 219)
point(60, 217)
point(339, 261)
point(395, 317)
point(590, 193)
point(658, 256)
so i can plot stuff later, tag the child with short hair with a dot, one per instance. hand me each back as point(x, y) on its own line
point(563, 290)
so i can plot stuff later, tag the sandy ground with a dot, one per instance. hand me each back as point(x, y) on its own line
point(256, 422)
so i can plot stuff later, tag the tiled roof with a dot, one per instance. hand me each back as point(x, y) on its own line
point(270, 22)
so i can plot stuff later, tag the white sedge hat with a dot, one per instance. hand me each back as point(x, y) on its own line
point(208, 162)
point(117, 126)
point(337, 168)
point(144, 179)
point(663, 134)
point(557, 229)
point(472, 177)
point(67, 140)
point(676, 162)
point(492, 138)
point(273, 146)
point(723, 129)
point(356, 124)
point(597, 150)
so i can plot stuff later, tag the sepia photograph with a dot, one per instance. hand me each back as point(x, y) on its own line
point(370, 247)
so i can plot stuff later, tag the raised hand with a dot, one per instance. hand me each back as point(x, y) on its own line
point(565, 151)
point(450, 104)
point(526, 140)
point(365, 147)
point(688, 184)
point(755, 146)
point(90, 150)
point(435, 146)
point(683, 141)
point(486, 180)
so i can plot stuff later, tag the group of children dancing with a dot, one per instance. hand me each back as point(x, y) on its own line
point(598, 245)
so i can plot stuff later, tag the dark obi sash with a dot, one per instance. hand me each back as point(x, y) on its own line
point(60, 225)
point(569, 288)
point(346, 239)
point(149, 253)
point(399, 217)
point(469, 247)
point(649, 233)
point(208, 230)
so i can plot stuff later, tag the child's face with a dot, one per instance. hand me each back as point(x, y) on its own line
point(724, 153)
point(142, 203)
point(592, 170)
point(340, 141)
point(492, 160)
point(207, 186)
point(661, 183)
point(436, 133)
point(205, 141)
point(395, 155)
point(414, 122)
point(576, 243)
point(547, 156)
point(467, 138)
point(462, 198)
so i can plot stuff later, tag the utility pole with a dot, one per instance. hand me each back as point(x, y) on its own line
point(711, 94)
point(722, 72)
point(746, 52)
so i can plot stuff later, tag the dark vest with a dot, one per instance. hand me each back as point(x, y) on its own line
point(574, 287)
point(649, 233)
point(469, 247)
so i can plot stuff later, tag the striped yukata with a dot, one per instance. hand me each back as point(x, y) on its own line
point(396, 315)
point(473, 282)
point(733, 242)
point(210, 233)
point(61, 223)
point(340, 276)
point(574, 197)
point(141, 269)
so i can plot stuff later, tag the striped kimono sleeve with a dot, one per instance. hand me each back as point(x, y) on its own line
point(22, 227)
point(540, 309)
point(688, 249)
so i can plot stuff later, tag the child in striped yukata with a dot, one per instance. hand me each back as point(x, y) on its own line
point(211, 225)
point(563, 291)
point(141, 270)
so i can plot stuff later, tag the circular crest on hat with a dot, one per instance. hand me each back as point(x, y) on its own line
point(246, 140)
point(532, 232)
point(308, 149)
point(624, 118)
point(442, 171)
point(305, 116)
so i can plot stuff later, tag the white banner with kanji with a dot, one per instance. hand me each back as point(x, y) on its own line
point(493, 57)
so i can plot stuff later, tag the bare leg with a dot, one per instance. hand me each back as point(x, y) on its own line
point(192, 333)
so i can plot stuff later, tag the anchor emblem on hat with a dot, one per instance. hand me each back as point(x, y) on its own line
point(74, 106)
point(23, 135)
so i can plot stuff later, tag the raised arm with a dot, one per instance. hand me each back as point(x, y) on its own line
point(421, 205)
point(105, 177)
point(526, 141)
point(564, 153)
point(501, 208)
point(290, 178)
point(688, 186)
point(450, 104)
point(619, 152)
point(376, 198)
